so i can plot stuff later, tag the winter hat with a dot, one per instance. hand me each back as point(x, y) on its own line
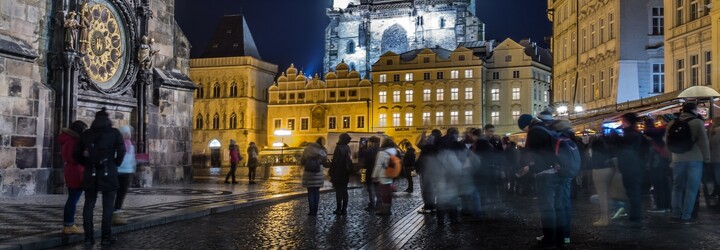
point(524, 121)
point(344, 139)
point(78, 127)
point(102, 113)
point(545, 115)
point(374, 139)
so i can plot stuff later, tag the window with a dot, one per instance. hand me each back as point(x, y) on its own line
point(468, 93)
point(389, 62)
point(439, 95)
point(680, 73)
point(426, 95)
point(408, 95)
point(353, 93)
point(461, 58)
point(382, 97)
point(454, 74)
point(291, 124)
point(440, 75)
point(516, 93)
point(708, 68)
point(332, 122)
point(658, 77)
point(382, 120)
point(679, 12)
point(199, 122)
point(277, 124)
point(408, 119)
point(516, 74)
point(426, 59)
point(583, 44)
point(468, 117)
point(426, 118)
point(216, 90)
point(601, 35)
point(439, 118)
point(573, 46)
point(546, 96)
point(601, 88)
point(693, 10)
point(350, 47)
point(396, 77)
point(515, 115)
point(454, 94)
point(592, 35)
point(611, 25)
point(304, 123)
point(408, 77)
point(342, 93)
point(694, 70)
point(495, 117)
point(301, 95)
point(508, 58)
point(216, 121)
point(468, 73)
point(454, 117)
point(332, 94)
point(233, 89)
point(200, 91)
point(292, 95)
point(361, 121)
point(495, 75)
point(495, 94)
point(282, 96)
point(383, 78)
point(396, 96)
point(233, 121)
point(707, 5)
point(346, 122)
point(442, 23)
point(426, 76)
point(658, 21)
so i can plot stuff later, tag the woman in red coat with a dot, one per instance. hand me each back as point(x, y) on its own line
point(73, 174)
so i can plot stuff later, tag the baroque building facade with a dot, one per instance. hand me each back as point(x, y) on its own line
point(606, 52)
point(311, 107)
point(230, 99)
point(360, 31)
point(63, 60)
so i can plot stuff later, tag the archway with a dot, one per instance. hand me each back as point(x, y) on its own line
point(394, 39)
point(215, 153)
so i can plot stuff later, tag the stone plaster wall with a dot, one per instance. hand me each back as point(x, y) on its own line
point(26, 136)
point(170, 136)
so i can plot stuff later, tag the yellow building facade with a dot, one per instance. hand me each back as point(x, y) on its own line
point(310, 107)
point(426, 89)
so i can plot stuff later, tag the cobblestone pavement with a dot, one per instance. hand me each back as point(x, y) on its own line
point(513, 226)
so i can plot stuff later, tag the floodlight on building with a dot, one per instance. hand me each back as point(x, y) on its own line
point(563, 109)
point(278, 144)
point(578, 109)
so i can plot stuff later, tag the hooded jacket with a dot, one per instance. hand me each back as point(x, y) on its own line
point(381, 163)
point(342, 165)
point(101, 150)
point(313, 151)
point(701, 150)
point(73, 170)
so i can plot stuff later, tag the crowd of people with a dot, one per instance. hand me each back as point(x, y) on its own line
point(469, 174)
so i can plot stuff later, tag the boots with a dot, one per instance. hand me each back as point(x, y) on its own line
point(72, 230)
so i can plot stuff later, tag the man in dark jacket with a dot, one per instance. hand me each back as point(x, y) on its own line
point(408, 162)
point(631, 152)
point(369, 156)
point(100, 149)
point(340, 170)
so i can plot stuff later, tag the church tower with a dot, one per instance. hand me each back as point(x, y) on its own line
point(362, 30)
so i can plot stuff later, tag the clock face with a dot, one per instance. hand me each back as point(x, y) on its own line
point(104, 59)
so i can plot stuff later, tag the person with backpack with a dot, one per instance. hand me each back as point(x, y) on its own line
point(550, 157)
point(73, 172)
point(631, 151)
point(100, 149)
point(369, 155)
point(313, 158)
point(603, 170)
point(235, 158)
point(688, 142)
point(408, 162)
point(125, 171)
point(659, 171)
point(252, 163)
point(383, 182)
point(340, 170)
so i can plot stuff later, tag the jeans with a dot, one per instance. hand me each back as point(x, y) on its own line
point(567, 210)
point(661, 186)
point(108, 200)
point(251, 173)
point(124, 181)
point(550, 194)
point(71, 206)
point(233, 168)
point(341, 196)
point(686, 182)
point(370, 187)
point(632, 180)
point(408, 176)
point(313, 199)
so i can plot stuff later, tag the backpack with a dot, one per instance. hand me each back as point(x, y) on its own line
point(679, 136)
point(313, 165)
point(567, 154)
point(393, 167)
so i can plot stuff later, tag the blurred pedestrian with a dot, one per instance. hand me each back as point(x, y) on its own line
point(235, 158)
point(252, 162)
point(73, 172)
point(382, 182)
point(603, 170)
point(125, 172)
point(632, 149)
point(426, 163)
point(409, 165)
point(313, 158)
point(369, 156)
point(100, 149)
point(340, 170)
point(659, 171)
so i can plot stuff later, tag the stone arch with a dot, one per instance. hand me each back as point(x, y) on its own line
point(394, 39)
point(350, 47)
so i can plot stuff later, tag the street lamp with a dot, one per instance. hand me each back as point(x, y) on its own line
point(578, 109)
point(562, 109)
point(281, 133)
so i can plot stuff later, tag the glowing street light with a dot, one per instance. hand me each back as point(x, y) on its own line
point(578, 109)
point(281, 133)
point(563, 109)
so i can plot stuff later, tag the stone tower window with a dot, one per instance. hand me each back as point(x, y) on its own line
point(216, 121)
point(442, 23)
point(233, 89)
point(200, 92)
point(233, 121)
point(350, 47)
point(199, 122)
point(216, 90)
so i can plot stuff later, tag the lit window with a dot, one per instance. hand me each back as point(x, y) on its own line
point(680, 73)
point(408, 77)
point(304, 123)
point(408, 95)
point(396, 96)
point(454, 94)
point(332, 122)
point(382, 97)
point(361, 121)
point(426, 95)
point(426, 118)
point(454, 74)
point(439, 94)
point(277, 124)
point(546, 96)
point(382, 120)
point(495, 94)
point(291, 124)
point(454, 117)
point(468, 117)
point(346, 122)
point(468, 73)
point(516, 93)
point(495, 117)
point(515, 115)
point(468, 93)
point(694, 70)
point(408, 119)
point(383, 78)
point(439, 118)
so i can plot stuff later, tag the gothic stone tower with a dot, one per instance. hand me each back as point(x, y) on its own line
point(362, 30)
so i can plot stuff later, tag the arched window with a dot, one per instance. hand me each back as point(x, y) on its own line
point(216, 121)
point(199, 122)
point(199, 91)
point(233, 89)
point(233, 121)
point(216, 90)
point(350, 47)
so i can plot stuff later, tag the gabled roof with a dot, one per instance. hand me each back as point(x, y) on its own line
point(440, 52)
point(232, 38)
point(538, 54)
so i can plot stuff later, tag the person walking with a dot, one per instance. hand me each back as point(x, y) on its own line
point(100, 149)
point(125, 171)
point(426, 162)
point(603, 170)
point(235, 158)
point(688, 156)
point(73, 172)
point(340, 170)
point(252, 162)
point(313, 158)
point(369, 157)
point(632, 150)
point(382, 182)
point(658, 167)
point(409, 165)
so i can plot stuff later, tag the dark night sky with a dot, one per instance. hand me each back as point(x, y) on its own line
point(292, 31)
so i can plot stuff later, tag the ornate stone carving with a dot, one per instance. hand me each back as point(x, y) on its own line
point(146, 54)
point(71, 26)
